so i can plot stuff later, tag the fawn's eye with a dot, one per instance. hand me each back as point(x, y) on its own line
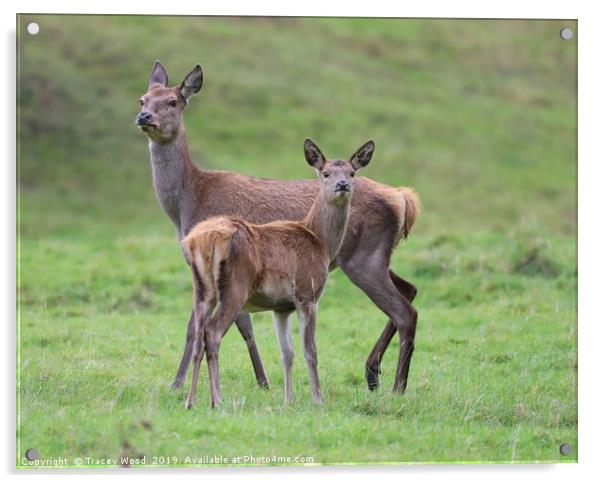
point(352, 174)
point(326, 175)
point(173, 103)
point(141, 102)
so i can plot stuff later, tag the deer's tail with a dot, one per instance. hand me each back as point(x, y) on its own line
point(206, 248)
point(411, 209)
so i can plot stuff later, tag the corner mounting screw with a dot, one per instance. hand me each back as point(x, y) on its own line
point(566, 33)
point(32, 454)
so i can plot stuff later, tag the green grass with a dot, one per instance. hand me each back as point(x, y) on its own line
point(478, 116)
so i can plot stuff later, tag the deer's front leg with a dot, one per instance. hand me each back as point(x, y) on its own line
point(245, 327)
point(187, 354)
point(307, 328)
point(287, 352)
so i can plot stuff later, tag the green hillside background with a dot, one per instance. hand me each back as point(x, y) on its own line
point(478, 116)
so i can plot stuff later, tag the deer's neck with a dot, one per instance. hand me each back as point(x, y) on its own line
point(328, 221)
point(173, 174)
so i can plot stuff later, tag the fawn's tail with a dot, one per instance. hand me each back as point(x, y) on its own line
point(207, 248)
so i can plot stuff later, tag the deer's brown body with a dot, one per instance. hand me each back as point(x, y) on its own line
point(279, 257)
point(280, 266)
point(380, 216)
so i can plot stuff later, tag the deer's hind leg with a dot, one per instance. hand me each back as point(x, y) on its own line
point(370, 273)
point(407, 290)
point(231, 301)
point(203, 307)
point(245, 327)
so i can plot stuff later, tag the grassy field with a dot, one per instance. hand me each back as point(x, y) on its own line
point(477, 116)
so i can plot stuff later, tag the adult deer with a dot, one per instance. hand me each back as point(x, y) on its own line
point(189, 195)
point(280, 266)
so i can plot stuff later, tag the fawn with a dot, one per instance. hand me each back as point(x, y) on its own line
point(280, 266)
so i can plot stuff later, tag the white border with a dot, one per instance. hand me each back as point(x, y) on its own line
point(590, 81)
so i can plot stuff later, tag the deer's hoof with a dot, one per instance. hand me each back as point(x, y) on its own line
point(188, 404)
point(372, 378)
point(399, 388)
point(177, 384)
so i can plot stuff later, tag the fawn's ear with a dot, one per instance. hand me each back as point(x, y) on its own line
point(361, 158)
point(158, 75)
point(313, 155)
point(192, 83)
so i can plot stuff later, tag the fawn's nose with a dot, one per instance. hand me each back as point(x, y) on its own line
point(143, 118)
point(342, 186)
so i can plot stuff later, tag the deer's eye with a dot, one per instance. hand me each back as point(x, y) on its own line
point(326, 175)
point(352, 174)
point(141, 102)
point(173, 103)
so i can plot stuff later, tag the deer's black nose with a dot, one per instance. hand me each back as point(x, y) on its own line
point(143, 118)
point(342, 186)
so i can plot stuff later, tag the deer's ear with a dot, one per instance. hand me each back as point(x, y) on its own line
point(361, 158)
point(158, 75)
point(192, 83)
point(313, 155)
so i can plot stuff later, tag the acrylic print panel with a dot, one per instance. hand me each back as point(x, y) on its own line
point(477, 116)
